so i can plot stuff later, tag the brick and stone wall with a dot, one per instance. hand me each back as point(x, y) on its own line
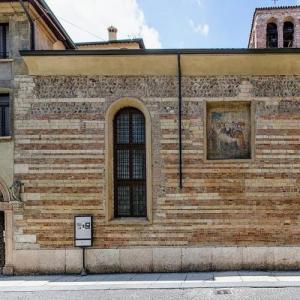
point(59, 156)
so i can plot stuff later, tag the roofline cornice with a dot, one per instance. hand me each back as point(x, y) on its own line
point(128, 52)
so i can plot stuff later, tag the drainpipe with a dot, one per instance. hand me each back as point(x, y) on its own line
point(32, 29)
point(180, 119)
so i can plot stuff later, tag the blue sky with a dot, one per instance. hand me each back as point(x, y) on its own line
point(228, 21)
point(163, 23)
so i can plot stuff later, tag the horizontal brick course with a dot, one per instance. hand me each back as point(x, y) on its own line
point(61, 151)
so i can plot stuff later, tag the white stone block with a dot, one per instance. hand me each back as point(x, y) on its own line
point(21, 168)
point(103, 260)
point(136, 260)
point(26, 238)
point(227, 258)
point(196, 259)
point(287, 258)
point(73, 261)
point(258, 258)
point(167, 259)
point(39, 261)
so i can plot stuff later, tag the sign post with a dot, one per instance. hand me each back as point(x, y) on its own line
point(83, 227)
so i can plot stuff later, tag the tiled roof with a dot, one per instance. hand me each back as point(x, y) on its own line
point(138, 41)
point(278, 7)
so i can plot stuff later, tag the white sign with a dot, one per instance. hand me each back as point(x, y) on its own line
point(83, 231)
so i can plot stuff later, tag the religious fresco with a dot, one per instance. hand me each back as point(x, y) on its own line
point(228, 131)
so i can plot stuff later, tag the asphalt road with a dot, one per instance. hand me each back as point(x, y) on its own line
point(163, 294)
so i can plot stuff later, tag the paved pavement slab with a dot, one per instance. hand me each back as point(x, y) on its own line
point(136, 281)
point(162, 294)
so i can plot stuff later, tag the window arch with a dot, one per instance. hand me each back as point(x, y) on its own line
point(130, 164)
point(111, 113)
point(288, 34)
point(272, 35)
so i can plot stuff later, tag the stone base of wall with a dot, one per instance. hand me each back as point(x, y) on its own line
point(157, 260)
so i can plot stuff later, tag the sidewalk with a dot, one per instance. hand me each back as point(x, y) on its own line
point(150, 281)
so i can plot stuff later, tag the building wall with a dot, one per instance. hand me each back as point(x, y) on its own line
point(45, 39)
point(226, 208)
point(18, 39)
point(279, 16)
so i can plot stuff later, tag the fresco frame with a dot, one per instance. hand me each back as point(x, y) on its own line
point(229, 102)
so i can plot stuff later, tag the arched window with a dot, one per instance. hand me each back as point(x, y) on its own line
point(130, 164)
point(272, 36)
point(288, 34)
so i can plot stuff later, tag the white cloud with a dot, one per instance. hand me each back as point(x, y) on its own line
point(95, 16)
point(203, 29)
point(199, 2)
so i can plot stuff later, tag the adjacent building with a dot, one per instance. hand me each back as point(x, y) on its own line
point(187, 160)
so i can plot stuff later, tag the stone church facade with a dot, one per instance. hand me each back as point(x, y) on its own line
point(188, 160)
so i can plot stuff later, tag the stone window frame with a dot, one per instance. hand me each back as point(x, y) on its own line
point(109, 154)
point(253, 131)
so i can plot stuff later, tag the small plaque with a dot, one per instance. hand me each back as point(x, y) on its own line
point(83, 231)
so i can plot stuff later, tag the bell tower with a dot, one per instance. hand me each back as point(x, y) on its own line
point(275, 27)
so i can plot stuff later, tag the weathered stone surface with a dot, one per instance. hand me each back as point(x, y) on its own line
point(39, 261)
point(136, 260)
point(73, 261)
point(275, 86)
point(65, 107)
point(227, 258)
point(211, 86)
point(196, 259)
point(258, 258)
point(167, 259)
point(287, 258)
point(274, 108)
point(103, 260)
point(101, 86)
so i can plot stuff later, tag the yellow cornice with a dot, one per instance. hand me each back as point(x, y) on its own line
point(192, 64)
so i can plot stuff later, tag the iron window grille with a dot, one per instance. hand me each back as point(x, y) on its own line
point(4, 115)
point(3, 40)
point(129, 164)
